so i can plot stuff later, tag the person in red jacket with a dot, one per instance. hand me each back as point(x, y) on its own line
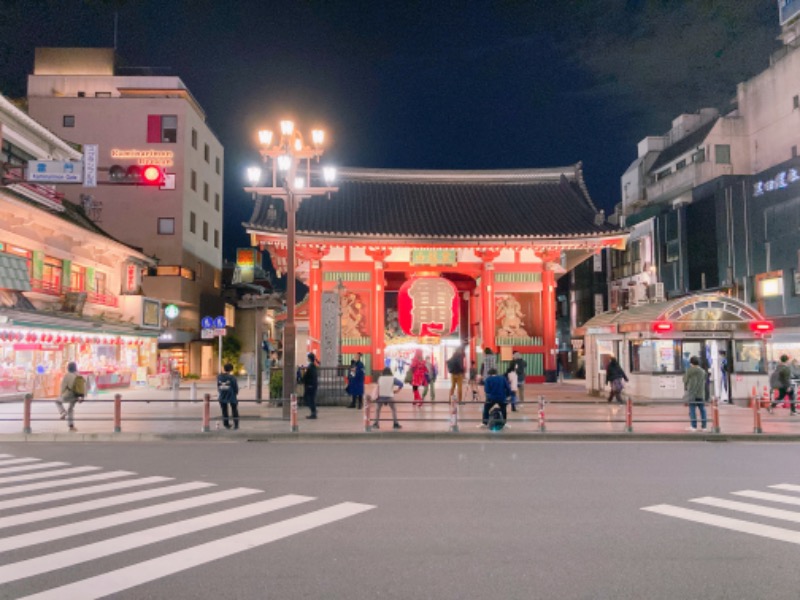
point(418, 372)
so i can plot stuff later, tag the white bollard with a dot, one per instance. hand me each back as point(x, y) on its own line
point(193, 392)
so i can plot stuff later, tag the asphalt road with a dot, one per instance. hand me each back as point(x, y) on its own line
point(404, 519)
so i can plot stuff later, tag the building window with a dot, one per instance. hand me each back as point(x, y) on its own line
point(77, 278)
point(205, 231)
point(699, 156)
point(655, 356)
point(100, 283)
point(207, 153)
point(662, 174)
point(166, 226)
point(216, 202)
point(216, 164)
point(162, 129)
point(192, 222)
point(722, 152)
point(69, 121)
point(81, 94)
point(205, 191)
point(216, 238)
point(52, 271)
point(102, 94)
point(194, 139)
point(193, 181)
point(681, 164)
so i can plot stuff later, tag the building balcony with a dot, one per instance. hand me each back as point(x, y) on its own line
point(679, 182)
point(173, 288)
point(49, 288)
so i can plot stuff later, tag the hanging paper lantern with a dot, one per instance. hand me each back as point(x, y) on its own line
point(428, 306)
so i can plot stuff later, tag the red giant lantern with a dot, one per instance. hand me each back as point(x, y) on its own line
point(428, 306)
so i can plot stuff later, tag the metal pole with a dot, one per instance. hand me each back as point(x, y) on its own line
point(219, 361)
point(26, 413)
point(206, 413)
point(117, 413)
point(629, 415)
point(289, 331)
point(715, 414)
point(293, 412)
point(259, 356)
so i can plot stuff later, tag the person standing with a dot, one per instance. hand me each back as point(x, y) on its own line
point(455, 365)
point(473, 381)
point(614, 376)
point(430, 383)
point(387, 386)
point(511, 375)
point(356, 384)
point(520, 366)
point(70, 395)
point(497, 392)
point(783, 379)
point(694, 382)
point(418, 373)
point(489, 362)
point(310, 381)
point(228, 390)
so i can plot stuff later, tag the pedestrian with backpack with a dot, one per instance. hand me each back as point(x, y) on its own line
point(228, 389)
point(72, 391)
point(781, 380)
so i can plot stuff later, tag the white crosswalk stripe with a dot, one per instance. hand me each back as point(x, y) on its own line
point(104, 527)
point(791, 536)
point(33, 467)
point(46, 474)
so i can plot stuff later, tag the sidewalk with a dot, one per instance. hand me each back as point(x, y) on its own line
point(570, 413)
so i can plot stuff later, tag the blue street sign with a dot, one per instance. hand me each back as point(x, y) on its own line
point(219, 323)
point(207, 323)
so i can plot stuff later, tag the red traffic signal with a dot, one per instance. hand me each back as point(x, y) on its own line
point(760, 327)
point(136, 175)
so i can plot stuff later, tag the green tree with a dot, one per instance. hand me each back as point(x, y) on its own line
point(231, 351)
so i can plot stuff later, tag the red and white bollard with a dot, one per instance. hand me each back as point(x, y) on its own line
point(757, 416)
point(367, 407)
point(293, 413)
point(629, 415)
point(117, 413)
point(26, 413)
point(715, 415)
point(542, 427)
point(206, 413)
point(453, 414)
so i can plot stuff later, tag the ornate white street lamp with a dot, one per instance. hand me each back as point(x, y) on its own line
point(288, 159)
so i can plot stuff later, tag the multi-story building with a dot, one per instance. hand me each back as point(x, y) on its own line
point(136, 118)
point(68, 290)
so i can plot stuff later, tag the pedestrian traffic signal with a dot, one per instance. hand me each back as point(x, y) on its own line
point(136, 175)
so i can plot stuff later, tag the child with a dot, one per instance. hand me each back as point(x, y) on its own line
point(387, 386)
point(511, 375)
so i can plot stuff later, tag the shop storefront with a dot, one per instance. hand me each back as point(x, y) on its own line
point(35, 349)
point(654, 343)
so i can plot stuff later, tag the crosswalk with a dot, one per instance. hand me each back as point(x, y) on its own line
point(52, 496)
point(765, 508)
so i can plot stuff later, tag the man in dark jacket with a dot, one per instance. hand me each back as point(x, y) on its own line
point(497, 392)
point(783, 377)
point(310, 380)
point(228, 389)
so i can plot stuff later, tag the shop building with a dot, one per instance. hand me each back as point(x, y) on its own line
point(68, 290)
point(399, 260)
point(139, 118)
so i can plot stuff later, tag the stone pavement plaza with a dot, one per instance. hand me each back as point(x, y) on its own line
point(569, 412)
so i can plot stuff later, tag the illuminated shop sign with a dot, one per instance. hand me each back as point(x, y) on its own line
point(164, 158)
point(428, 306)
point(780, 181)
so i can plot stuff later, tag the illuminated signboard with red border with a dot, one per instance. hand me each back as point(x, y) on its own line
point(428, 306)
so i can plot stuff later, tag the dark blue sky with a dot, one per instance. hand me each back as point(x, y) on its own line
point(430, 85)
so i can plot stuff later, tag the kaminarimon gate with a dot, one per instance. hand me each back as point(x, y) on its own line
point(398, 260)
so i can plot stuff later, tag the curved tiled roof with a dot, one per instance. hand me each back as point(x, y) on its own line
point(529, 203)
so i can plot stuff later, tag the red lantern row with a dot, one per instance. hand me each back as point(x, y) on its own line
point(51, 338)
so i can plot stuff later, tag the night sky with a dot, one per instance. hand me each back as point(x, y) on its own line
point(428, 85)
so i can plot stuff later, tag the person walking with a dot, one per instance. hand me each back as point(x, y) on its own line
point(782, 381)
point(228, 390)
point(71, 393)
point(455, 366)
point(511, 375)
point(497, 392)
point(430, 382)
point(694, 383)
point(472, 385)
point(388, 385)
point(520, 366)
point(356, 384)
point(614, 376)
point(310, 381)
point(418, 373)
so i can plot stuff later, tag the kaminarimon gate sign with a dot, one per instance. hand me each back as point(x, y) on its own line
point(438, 259)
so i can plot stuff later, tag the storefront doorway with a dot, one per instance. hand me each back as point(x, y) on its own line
point(714, 357)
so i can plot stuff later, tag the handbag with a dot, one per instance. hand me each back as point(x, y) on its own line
point(688, 397)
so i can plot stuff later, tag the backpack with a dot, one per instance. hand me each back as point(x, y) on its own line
point(79, 385)
point(496, 420)
point(775, 378)
point(453, 363)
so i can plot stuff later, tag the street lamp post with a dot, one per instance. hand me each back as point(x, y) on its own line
point(290, 181)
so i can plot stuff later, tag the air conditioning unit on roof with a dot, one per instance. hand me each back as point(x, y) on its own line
point(655, 292)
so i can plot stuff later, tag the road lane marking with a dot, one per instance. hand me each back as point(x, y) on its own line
point(765, 531)
point(33, 467)
point(125, 578)
point(794, 500)
point(29, 487)
point(41, 536)
point(97, 550)
point(753, 509)
point(82, 491)
point(786, 486)
point(46, 474)
point(18, 461)
point(6, 455)
point(90, 505)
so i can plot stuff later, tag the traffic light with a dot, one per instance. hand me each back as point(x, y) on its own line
point(136, 175)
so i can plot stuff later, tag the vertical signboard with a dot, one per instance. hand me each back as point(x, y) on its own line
point(90, 165)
